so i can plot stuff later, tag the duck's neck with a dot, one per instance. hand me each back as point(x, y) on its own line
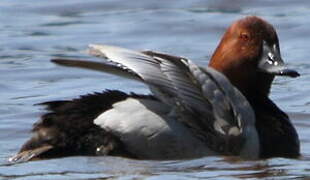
point(257, 87)
point(248, 81)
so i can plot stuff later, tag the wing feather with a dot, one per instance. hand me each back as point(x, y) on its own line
point(203, 98)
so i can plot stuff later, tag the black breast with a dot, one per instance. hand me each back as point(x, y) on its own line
point(278, 137)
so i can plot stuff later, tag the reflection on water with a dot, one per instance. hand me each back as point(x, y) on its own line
point(211, 167)
point(32, 33)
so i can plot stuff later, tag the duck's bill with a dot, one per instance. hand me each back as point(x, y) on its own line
point(280, 71)
point(287, 72)
point(272, 63)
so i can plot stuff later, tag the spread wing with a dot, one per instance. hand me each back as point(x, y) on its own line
point(202, 98)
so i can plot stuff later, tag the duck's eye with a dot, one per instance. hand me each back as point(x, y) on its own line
point(244, 36)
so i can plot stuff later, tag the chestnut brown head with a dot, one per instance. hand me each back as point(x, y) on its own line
point(249, 55)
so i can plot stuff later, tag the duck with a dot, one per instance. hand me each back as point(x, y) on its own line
point(192, 111)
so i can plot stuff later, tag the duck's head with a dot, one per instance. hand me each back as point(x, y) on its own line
point(249, 55)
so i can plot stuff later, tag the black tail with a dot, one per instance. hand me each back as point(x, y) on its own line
point(68, 129)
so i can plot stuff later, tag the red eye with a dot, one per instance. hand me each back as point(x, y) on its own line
point(244, 36)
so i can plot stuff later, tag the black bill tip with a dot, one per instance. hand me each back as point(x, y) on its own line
point(289, 72)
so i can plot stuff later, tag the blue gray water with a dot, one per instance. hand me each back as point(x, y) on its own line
point(32, 32)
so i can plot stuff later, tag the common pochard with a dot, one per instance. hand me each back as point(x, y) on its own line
point(193, 111)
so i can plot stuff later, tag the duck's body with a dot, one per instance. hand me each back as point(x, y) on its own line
point(142, 123)
point(193, 111)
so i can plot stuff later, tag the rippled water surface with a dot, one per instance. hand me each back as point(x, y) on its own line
point(32, 32)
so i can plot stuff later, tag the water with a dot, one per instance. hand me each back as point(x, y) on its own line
point(32, 32)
